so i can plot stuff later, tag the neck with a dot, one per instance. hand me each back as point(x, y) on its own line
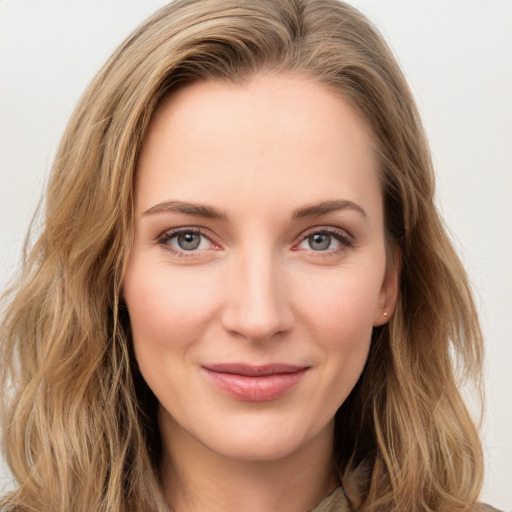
point(195, 478)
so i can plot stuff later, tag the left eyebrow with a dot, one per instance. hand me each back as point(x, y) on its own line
point(325, 207)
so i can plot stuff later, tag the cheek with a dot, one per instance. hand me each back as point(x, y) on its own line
point(167, 307)
point(168, 311)
point(340, 311)
point(342, 305)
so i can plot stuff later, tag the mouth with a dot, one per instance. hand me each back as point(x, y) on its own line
point(254, 383)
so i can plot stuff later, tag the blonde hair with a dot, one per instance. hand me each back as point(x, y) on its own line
point(79, 422)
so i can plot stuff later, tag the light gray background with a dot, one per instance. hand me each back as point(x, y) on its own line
point(457, 55)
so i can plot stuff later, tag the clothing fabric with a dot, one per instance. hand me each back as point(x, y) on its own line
point(336, 501)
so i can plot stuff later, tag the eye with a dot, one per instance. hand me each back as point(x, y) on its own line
point(185, 241)
point(321, 242)
point(325, 240)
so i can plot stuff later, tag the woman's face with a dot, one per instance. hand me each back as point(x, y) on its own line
point(259, 264)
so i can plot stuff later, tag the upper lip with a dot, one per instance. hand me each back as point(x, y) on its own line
point(249, 370)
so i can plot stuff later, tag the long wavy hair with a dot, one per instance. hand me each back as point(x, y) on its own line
point(79, 423)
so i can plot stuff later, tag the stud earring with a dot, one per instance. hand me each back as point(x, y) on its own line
point(385, 314)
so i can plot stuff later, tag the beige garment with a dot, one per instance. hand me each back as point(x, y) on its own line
point(337, 502)
point(333, 502)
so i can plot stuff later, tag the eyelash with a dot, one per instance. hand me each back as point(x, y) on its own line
point(345, 240)
point(167, 236)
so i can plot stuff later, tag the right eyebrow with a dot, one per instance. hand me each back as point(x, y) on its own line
point(193, 209)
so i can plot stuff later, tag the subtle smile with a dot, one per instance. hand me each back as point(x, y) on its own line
point(254, 383)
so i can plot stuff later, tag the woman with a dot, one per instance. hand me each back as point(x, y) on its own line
point(243, 296)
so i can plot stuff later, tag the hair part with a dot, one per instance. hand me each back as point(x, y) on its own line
point(79, 422)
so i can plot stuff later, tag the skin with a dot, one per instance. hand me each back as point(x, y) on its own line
point(259, 288)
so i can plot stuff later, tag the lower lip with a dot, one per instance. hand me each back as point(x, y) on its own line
point(255, 389)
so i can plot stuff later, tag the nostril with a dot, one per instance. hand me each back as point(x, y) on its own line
point(254, 326)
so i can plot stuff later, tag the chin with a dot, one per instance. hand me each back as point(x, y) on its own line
point(270, 440)
point(255, 449)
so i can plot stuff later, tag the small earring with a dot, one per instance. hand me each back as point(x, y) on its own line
point(385, 314)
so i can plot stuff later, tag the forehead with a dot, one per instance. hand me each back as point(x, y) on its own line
point(259, 102)
point(273, 133)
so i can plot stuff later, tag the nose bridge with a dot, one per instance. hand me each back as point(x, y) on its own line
point(257, 306)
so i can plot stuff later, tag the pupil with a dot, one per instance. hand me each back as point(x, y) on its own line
point(319, 242)
point(188, 241)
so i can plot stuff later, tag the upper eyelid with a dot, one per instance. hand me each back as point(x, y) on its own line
point(326, 229)
point(168, 233)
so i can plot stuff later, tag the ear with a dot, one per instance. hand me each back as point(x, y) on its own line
point(389, 290)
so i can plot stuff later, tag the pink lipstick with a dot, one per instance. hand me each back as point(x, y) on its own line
point(254, 383)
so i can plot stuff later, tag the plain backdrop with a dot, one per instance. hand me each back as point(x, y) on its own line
point(457, 55)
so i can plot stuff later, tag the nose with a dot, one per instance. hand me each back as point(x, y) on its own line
point(257, 305)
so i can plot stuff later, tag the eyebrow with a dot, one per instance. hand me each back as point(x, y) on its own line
point(325, 207)
point(196, 210)
point(210, 212)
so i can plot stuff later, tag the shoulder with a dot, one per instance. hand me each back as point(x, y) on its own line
point(333, 502)
point(482, 507)
point(5, 506)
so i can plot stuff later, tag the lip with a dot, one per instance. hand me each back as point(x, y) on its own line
point(252, 383)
